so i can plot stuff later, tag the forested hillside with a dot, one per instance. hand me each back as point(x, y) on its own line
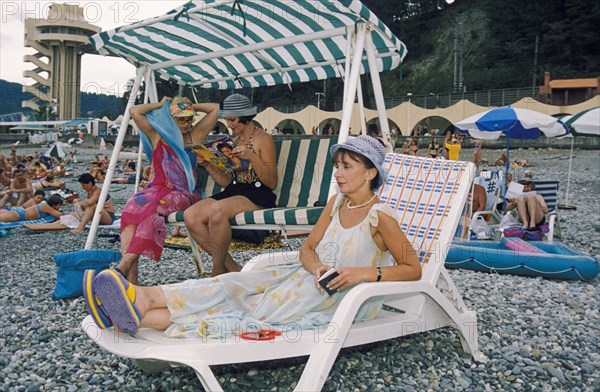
point(92, 105)
point(498, 41)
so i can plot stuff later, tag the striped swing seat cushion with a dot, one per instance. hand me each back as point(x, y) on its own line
point(304, 170)
point(271, 216)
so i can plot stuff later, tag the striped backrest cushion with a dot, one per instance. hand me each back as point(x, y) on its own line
point(429, 196)
point(304, 170)
point(549, 191)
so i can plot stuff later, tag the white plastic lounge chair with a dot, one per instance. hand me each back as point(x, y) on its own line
point(429, 196)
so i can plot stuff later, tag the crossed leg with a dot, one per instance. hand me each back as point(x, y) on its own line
point(208, 223)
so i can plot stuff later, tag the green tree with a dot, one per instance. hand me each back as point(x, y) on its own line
point(45, 113)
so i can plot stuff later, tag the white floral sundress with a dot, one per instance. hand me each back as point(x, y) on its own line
point(281, 297)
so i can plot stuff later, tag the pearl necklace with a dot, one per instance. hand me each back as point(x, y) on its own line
point(360, 205)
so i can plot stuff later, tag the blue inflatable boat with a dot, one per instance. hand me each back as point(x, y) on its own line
point(512, 255)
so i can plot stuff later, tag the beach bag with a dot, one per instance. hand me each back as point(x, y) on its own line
point(481, 230)
point(71, 266)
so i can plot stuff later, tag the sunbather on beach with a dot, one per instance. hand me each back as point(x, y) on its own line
point(42, 210)
point(501, 161)
point(5, 171)
point(84, 209)
point(477, 149)
point(47, 182)
point(246, 188)
point(37, 198)
point(356, 234)
point(479, 199)
point(167, 127)
point(531, 207)
point(19, 191)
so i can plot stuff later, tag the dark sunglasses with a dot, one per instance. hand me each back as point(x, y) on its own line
point(183, 120)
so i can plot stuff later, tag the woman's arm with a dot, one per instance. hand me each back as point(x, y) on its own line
point(207, 123)
point(138, 114)
point(219, 176)
point(308, 251)
point(50, 211)
point(407, 265)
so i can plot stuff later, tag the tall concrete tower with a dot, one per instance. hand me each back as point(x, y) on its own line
point(60, 41)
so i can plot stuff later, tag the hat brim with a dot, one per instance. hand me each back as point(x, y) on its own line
point(237, 113)
point(382, 173)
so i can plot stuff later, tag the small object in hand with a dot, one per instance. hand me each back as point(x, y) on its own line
point(326, 278)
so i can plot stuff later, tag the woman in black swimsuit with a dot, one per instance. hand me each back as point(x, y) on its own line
point(247, 188)
point(434, 148)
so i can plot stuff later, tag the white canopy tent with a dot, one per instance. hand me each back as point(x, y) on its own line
point(233, 44)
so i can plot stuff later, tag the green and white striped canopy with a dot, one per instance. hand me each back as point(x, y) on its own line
point(229, 44)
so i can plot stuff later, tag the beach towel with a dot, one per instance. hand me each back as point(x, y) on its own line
point(66, 223)
point(272, 241)
point(12, 225)
point(527, 235)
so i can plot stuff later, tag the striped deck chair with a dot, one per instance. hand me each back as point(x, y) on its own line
point(304, 169)
point(549, 191)
point(429, 196)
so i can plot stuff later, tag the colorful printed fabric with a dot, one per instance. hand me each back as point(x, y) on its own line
point(165, 126)
point(525, 234)
point(283, 297)
point(166, 192)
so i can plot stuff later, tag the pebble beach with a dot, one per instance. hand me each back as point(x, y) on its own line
point(538, 334)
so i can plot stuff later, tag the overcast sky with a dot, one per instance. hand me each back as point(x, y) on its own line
point(98, 72)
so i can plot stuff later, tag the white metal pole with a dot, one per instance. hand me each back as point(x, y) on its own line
point(351, 84)
point(348, 63)
point(361, 109)
point(113, 160)
point(318, 112)
point(377, 90)
point(570, 164)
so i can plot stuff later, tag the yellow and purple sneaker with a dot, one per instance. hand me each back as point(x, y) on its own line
point(91, 301)
point(117, 297)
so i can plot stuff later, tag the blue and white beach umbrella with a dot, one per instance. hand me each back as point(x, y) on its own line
point(514, 123)
point(586, 122)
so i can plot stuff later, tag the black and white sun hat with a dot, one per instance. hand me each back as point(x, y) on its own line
point(236, 105)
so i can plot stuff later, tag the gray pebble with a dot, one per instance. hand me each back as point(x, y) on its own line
point(536, 333)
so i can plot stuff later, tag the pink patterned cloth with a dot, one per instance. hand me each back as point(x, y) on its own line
point(166, 192)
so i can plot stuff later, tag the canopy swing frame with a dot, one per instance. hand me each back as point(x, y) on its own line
point(360, 45)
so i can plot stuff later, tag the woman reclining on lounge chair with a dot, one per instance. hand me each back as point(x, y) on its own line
point(356, 234)
point(40, 211)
